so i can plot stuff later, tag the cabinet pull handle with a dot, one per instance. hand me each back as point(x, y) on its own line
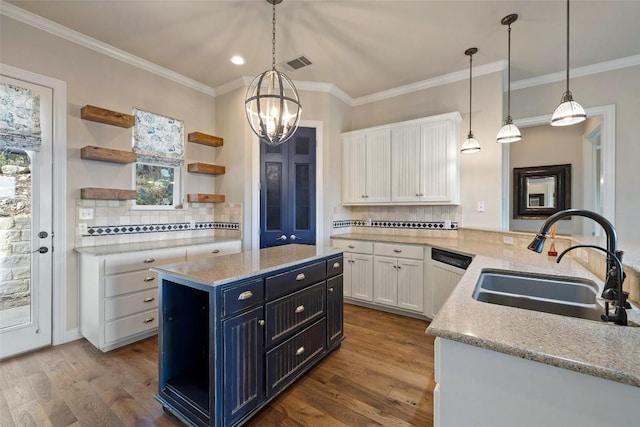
point(261, 322)
point(149, 299)
point(215, 251)
point(351, 247)
point(299, 309)
point(149, 320)
point(330, 289)
point(300, 277)
point(336, 265)
point(149, 260)
point(299, 351)
point(149, 279)
point(397, 251)
point(245, 295)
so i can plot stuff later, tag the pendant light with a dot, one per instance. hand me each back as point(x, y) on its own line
point(471, 145)
point(509, 132)
point(569, 112)
point(272, 103)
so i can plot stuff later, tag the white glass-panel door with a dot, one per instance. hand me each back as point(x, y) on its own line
point(26, 237)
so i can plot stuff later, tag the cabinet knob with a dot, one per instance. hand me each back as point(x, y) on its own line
point(149, 279)
point(300, 277)
point(149, 260)
point(397, 251)
point(245, 295)
point(330, 289)
point(215, 251)
point(299, 351)
point(336, 265)
point(417, 194)
point(351, 246)
point(150, 299)
point(261, 322)
point(299, 309)
point(149, 320)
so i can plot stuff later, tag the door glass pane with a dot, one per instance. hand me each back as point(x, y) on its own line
point(15, 238)
point(273, 149)
point(302, 145)
point(302, 197)
point(274, 195)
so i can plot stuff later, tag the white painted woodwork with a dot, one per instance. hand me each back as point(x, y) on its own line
point(213, 249)
point(439, 164)
point(411, 284)
point(444, 279)
point(385, 280)
point(362, 277)
point(406, 167)
point(399, 250)
point(353, 168)
point(358, 246)
point(378, 169)
point(494, 389)
point(347, 274)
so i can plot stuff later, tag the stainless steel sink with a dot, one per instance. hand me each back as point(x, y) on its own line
point(550, 294)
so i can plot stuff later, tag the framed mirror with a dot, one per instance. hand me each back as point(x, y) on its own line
point(541, 191)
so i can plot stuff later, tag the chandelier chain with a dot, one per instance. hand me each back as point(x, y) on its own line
point(273, 38)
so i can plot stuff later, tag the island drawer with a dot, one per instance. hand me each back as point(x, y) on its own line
point(129, 304)
point(130, 282)
point(240, 297)
point(334, 266)
point(285, 283)
point(293, 355)
point(285, 315)
point(131, 325)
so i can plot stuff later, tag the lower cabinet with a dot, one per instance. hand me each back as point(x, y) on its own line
point(246, 341)
point(399, 282)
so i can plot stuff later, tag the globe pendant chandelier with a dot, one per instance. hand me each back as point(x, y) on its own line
point(470, 145)
point(272, 103)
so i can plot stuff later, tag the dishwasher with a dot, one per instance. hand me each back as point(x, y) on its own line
point(446, 270)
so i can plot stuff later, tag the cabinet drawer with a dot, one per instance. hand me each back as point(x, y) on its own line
point(241, 297)
point(334, 266)
point(293, 355)
point(213, 249)
point(131, 325)
point(285, 315)
point(358, 246)
point(130, 304)
point(400, 251)
point(291, 281)
point(143, 260)
point(130, 282)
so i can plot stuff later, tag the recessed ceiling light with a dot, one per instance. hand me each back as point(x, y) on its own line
point(238, 60)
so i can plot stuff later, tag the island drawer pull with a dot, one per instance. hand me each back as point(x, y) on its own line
point(150, 299)
point(245, 295)
point(149, 260)
point(215, 251)
point(397, 251)
point(330, 289)
point(149, 279)
point(300, 277)
point(299, 351)
point(336, 265)
point(299, 309)
point(261, 322)
point(149, 320)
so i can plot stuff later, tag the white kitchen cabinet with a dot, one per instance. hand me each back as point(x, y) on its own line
point(119, 294)
point(399, 280)
point(357, 276)
point(424, 160)
point(366, 171)
point(444, 279)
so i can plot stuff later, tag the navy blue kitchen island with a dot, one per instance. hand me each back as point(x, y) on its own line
point(236, 330)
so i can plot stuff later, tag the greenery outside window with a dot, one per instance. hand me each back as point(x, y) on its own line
point(158, 185)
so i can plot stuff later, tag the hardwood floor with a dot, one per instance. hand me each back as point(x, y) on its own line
point(381, 376)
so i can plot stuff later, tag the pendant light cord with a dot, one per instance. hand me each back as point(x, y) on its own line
point(567, 45)
point(470, 92)
point(509, 75)
point(273, 38)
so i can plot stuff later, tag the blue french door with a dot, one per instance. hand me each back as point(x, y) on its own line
point(288, 191)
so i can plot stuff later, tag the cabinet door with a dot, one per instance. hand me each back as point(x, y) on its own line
point(334, 311)
point(243, 364)
point(362, 277)
point(405, 164)
point(353, 168)
point(378, 166)
point(411, 284)
point(347, 274)
point(385, 280)
point(445, 279)
point(439, 164)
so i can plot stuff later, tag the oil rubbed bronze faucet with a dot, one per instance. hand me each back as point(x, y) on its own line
point(614, 276)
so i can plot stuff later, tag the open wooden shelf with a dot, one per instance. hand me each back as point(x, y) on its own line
point(107, 194)
point(205, 198)
point(204, 139)
point(107, 154)
point(101, 115)
point(206, 168)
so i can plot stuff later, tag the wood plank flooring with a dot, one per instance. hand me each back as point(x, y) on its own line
point(381, 376)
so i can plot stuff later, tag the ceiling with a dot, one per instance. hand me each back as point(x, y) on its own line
point(361, 46)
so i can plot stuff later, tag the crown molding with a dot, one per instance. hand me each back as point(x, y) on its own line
point(66, 33)
point(587, 70)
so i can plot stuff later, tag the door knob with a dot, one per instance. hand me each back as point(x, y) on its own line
point(43, 234)
point(41, 249)
point(283, 237)
point(293, 237)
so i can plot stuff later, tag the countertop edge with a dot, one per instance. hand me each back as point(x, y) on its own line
point(102, 250)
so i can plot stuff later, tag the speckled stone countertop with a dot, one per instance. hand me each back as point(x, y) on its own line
point(590, 347)
point(230, 268)
point(145, 246)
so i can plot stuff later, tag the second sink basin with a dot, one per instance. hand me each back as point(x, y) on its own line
point(550, 294)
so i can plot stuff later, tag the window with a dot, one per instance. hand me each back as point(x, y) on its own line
point(158, 142)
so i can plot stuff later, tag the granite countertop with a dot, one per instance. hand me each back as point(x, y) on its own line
point(230, 268)
point(595, 348)
point(145, 246)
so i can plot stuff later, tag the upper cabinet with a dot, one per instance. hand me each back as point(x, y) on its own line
point(413, 162)
point(366, 169)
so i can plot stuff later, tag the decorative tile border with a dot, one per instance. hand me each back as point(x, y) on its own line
point(117, 230)
point(407, 225)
